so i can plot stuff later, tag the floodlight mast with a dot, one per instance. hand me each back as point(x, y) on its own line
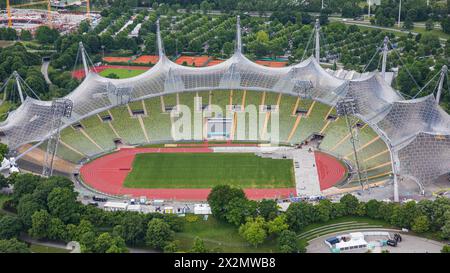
point(60, 108)
point(347, 108)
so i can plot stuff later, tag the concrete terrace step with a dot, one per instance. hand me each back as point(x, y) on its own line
point(341, 229)
point(325, 228)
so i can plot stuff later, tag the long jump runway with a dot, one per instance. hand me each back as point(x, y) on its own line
point(107, 174)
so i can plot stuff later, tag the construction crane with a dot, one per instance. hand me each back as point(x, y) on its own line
point(8, 10)
point(49, 10)
point(88, 11)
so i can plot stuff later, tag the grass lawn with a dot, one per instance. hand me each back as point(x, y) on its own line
point(121, 72)
point(219, 235)
point(205, 170)
point(4, 108)
point(46, 249)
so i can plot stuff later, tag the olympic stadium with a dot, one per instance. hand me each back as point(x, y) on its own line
point(367, 131)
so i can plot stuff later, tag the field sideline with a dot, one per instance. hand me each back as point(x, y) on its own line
point(205, 170)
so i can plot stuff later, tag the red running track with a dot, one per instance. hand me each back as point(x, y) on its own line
point(330, 170)
point(107, 174)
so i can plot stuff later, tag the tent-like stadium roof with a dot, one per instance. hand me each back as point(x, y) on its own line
point(417, 131)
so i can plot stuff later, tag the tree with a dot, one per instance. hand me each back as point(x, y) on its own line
point(445, 23)
point(299, 215)
point(172, 247)
point(105, 243)
point(175, 223)
point(198, 246)
point(62, 203)
point(350, 204)
point(268, 209)
point(87, 242)
point(158, 234)
point(13, 246)
point(24, 184)
point(25, 35)
point(40, 224)
point(27, 206)
point(288, 242)
point(44, 188)
point(421, 224)
point(75, 233)
point(253, 231)
point(3, 181)
point(445, 249)
point(239, 209)
point(404, 215)
point(446, 230)
point(277, 225)
point(3, 151)
point(323, 210)
point(83, 26)
point(57, 230)
point(429, 25)
point(372, 208)
point(220, 196)
point(408, 24)
point(132, 228)
point(8, 34)
point(10, 227)
point(46, 35)
point(323, 18)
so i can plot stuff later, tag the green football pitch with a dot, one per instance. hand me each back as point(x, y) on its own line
point(122, 73)
point(205, 170)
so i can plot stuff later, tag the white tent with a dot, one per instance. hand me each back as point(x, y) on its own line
point(202, 209)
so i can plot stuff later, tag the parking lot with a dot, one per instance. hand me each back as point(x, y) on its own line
point(409, 244)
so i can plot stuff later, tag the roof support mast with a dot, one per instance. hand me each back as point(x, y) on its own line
point(19, 87)
point(238, 35)
point(385, 52)
point(444, 70)
point(159, 40)
point(317, 29)
point(84, 59)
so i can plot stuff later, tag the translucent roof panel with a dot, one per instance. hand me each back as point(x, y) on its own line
point(415, 129)
point(426, 157)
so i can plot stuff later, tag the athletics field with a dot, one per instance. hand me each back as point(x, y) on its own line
point(206, 170)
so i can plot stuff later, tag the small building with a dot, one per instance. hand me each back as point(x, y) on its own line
point(135, 208)
point(115, 206)
point(202, 209)
point(168, 210)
